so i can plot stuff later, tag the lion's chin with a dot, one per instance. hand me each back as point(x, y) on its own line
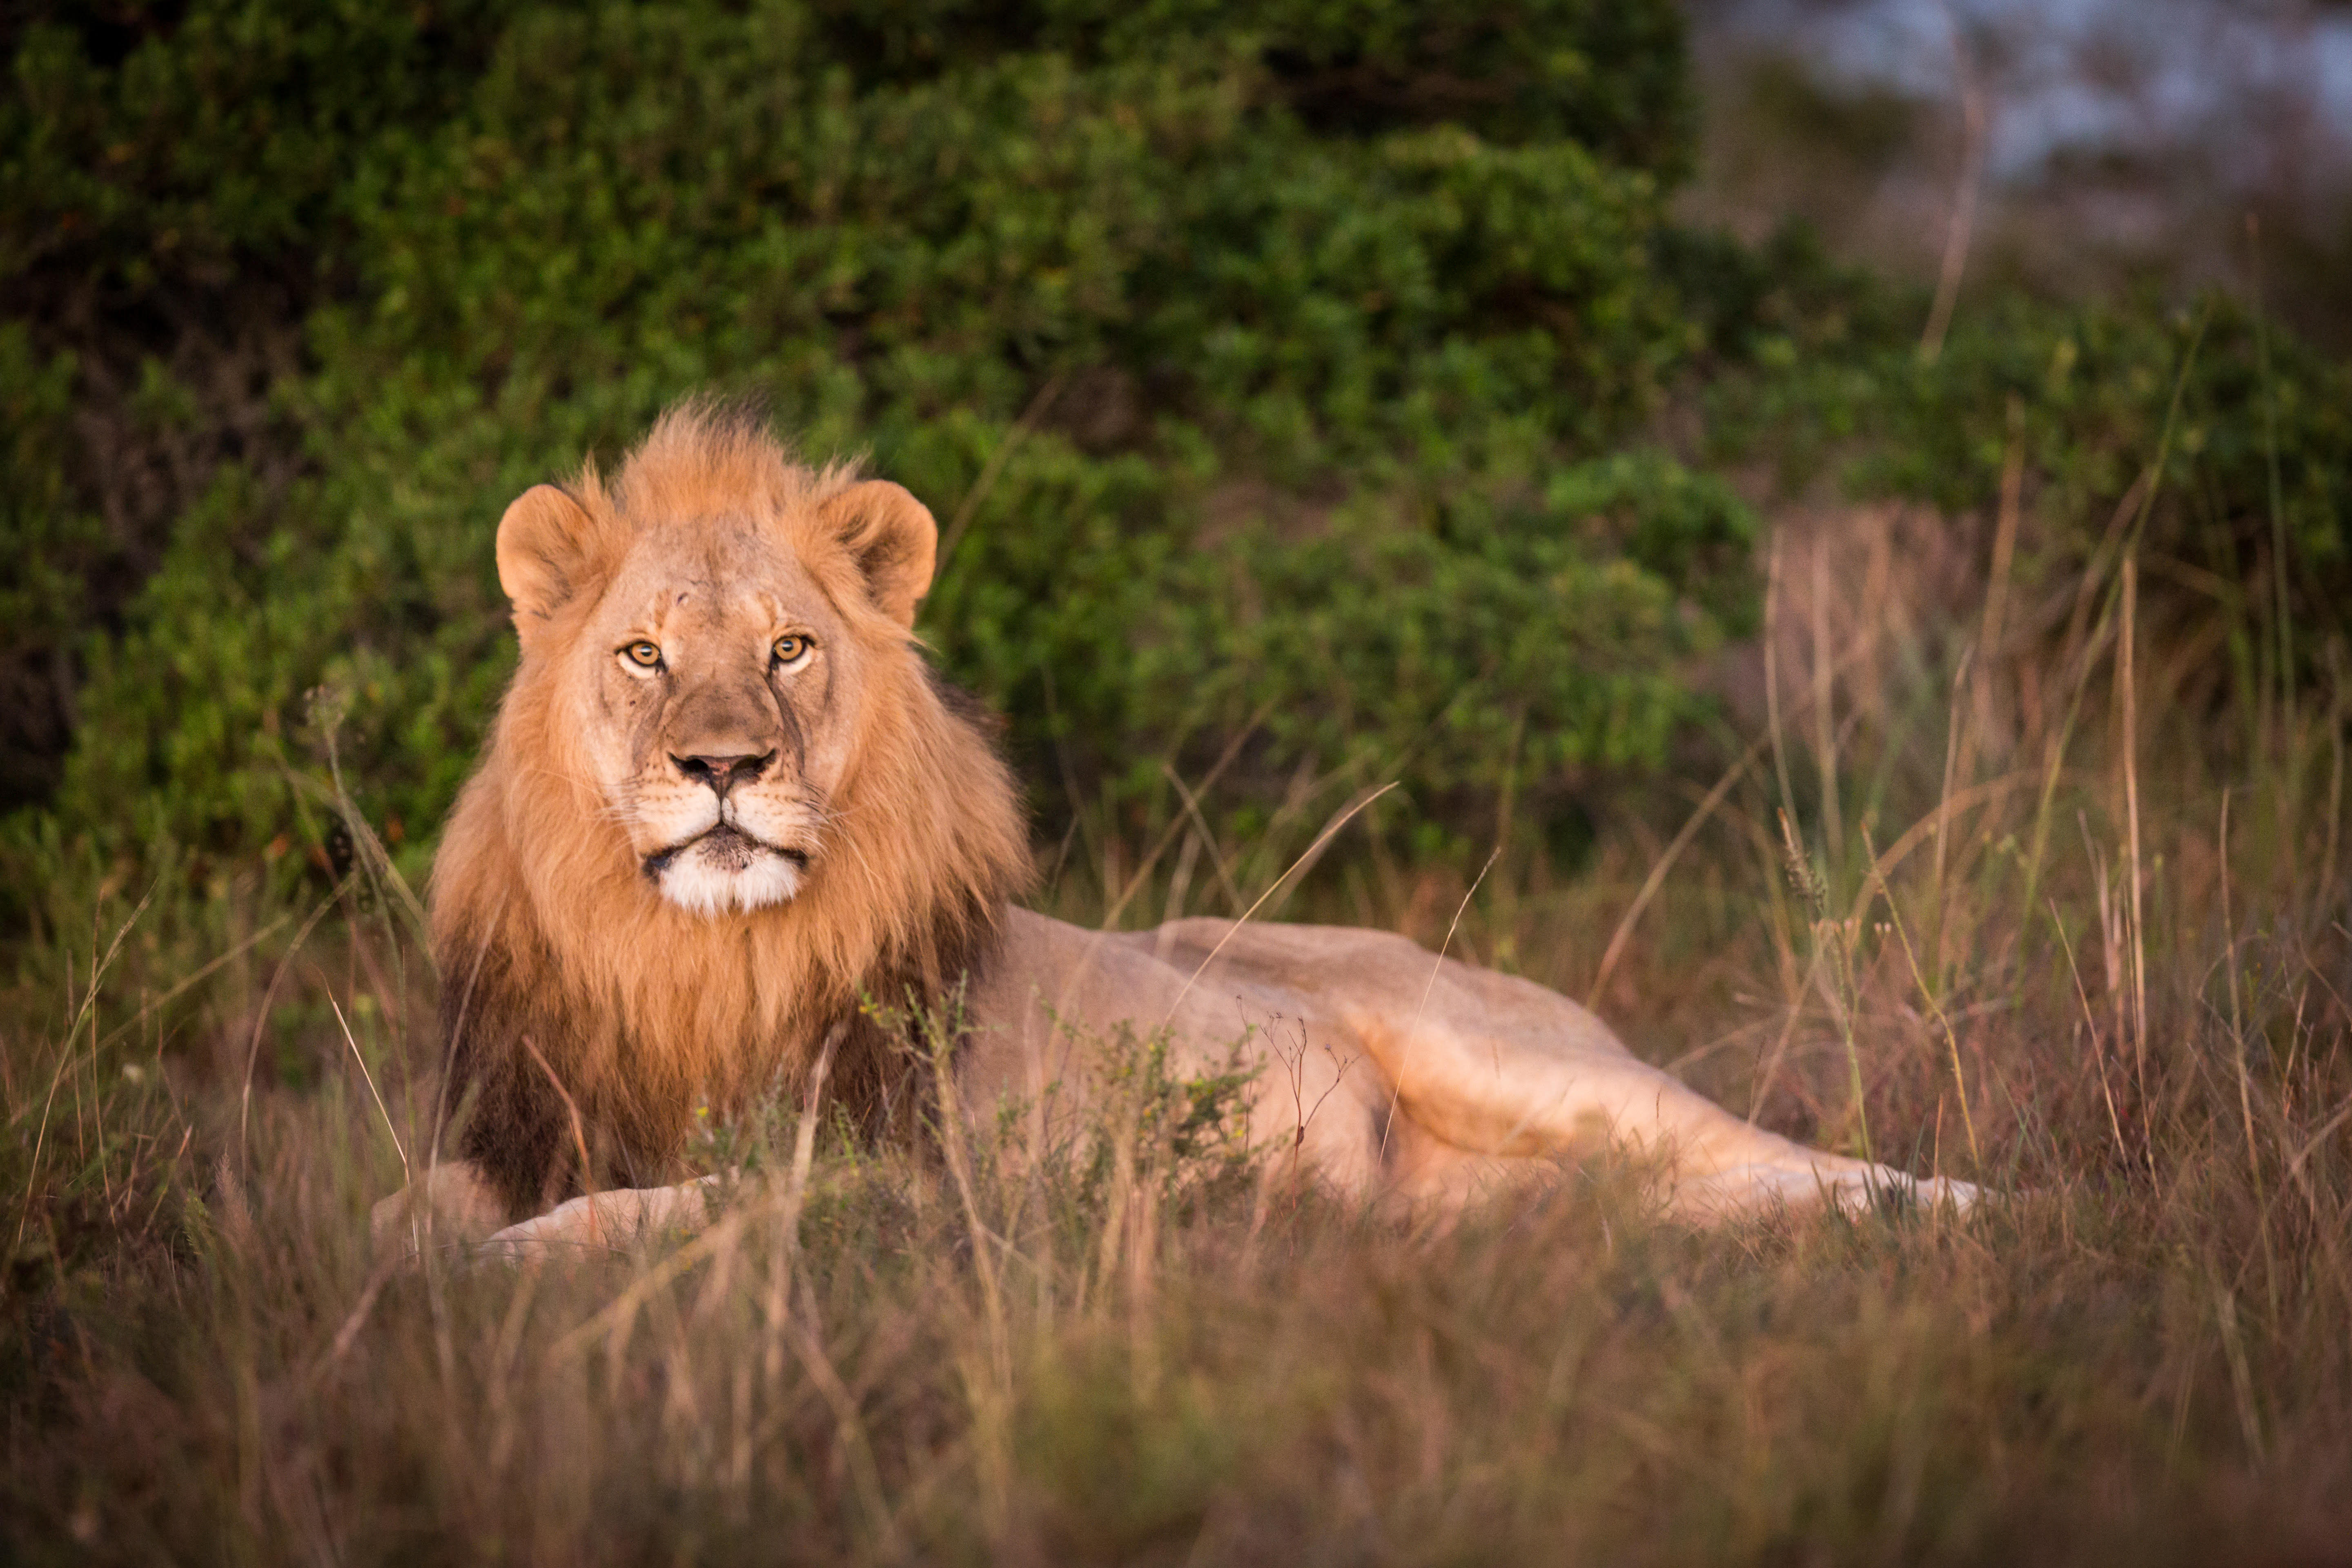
point(725, 871)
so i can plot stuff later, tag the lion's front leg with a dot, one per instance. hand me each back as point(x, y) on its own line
point(454, 1204)
point(605, 1220)
point(456, 1207)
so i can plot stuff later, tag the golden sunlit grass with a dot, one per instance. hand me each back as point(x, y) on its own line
point(2020, 875)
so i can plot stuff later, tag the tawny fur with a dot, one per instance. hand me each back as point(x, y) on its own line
point(584, 1009)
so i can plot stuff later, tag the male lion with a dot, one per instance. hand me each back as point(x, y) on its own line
point(726, 799)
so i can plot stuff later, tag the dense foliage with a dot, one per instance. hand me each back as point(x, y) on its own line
point(1290, 382)
point(1307, 348)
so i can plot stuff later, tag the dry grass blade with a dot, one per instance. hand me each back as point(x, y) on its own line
point(377, 1094)
point(788, 1223)
point(882, 1527)
point(2128, 697)
point(997, 457)
point(1203, 835)
point(1304, 859)
point(97, 969)
point(1662, 866)
point(2091, 1024)
point(1413, 1030)
point(1925, 989)
point(614, 1318)
point(269, 999)
point(579, 1131)
point(154, 1005)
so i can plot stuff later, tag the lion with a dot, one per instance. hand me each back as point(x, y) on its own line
point(727, 802)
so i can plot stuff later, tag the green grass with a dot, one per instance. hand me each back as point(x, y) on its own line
point(1139, 1352)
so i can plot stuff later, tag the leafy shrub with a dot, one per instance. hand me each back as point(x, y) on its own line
point(43, 535)
point(903, 236)
point(175, 190)
point(1262, 367)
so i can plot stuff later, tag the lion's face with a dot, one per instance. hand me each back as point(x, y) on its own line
point(715, 689)
point(707, 633)
point(723, 801)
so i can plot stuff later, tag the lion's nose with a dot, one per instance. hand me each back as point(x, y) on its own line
point(723, 774)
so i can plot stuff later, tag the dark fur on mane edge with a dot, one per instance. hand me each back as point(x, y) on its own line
point(527, 1134)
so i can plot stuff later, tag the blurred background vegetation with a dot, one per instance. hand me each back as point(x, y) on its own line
point(1310, 394)
point(2113, 144)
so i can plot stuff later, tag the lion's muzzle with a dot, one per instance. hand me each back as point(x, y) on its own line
point(728, 866)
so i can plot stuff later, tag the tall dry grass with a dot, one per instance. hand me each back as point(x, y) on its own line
point(2028, 873)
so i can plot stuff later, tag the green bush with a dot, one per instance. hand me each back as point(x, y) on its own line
point(1300, 374)
point(44, 536)
point(1264, 367)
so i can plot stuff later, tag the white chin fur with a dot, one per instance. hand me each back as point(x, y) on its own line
point(696, 883)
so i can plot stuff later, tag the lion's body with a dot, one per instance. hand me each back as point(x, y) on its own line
point(1390, 1069)
point(685, 857)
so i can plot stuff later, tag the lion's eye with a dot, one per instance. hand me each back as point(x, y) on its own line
point(791, 648)
point(644, 655)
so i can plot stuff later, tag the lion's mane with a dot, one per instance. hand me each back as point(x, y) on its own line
point(584, 1015)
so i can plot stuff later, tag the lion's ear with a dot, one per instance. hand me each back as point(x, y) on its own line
point(892, 538)
point(542, 548)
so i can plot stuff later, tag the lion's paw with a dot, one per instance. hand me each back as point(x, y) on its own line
point(604, 1220)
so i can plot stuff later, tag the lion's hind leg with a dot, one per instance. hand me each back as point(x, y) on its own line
point(1506, 1071)
point(1855, 1188)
